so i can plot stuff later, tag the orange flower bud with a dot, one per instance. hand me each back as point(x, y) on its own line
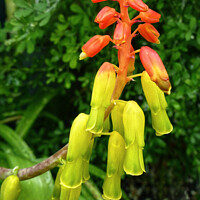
point(94, 46)
point(150, 16)
point(122, 32)
point(149, 32)
point(106, 17)
point(155, 68)
point(138, 5)
point(97, 1)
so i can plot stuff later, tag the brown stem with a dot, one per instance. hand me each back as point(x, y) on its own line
point(38, 169)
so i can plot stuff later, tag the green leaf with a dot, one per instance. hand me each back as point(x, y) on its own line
point(97, 172)
point(33, 110)
point(20, 147)
point(45, 20)
point(76, 8)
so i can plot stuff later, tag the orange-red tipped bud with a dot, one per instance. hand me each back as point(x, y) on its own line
point(94, 46)
point(106, 17)
point(150, 16)
point(97, 1)
point(149, 32)
point(138, 5)
point(155, 68)
point(122, 32)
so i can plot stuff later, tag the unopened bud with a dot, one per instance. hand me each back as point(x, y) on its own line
point(138, 5)
point(149, 32)
point(94, 46)
point(155, 68)
point(122, 32)
point(150, 16)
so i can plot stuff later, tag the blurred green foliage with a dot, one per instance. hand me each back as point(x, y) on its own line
point(43, 87)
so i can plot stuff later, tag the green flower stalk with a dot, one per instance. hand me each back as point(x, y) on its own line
point(104, 84)
point(156, 100)
point(112, 182)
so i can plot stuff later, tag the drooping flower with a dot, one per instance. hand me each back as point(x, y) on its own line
point(150, 16)
point(94, 46)
point(149, 32)
point(138, 5)
point(104, 84)
point(157, 103)
point(155, 68)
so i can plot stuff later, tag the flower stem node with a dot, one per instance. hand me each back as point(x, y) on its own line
point(104, 84)
point(157, 103)
point(153, 65)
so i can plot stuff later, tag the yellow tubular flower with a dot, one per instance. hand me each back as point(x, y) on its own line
point(57, 187)
point(116, 116)
point(70, 193)
point(104, 84)
point(10, 188)
point(134, 121)
point(112, 182)
point(79, 151)
point(157, 103)
point(133, 161)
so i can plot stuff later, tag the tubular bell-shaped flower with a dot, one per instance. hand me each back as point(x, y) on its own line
point(138, 5)
point(122, 32)
point(70, 193)
point(117, 116)
point(112, 182)
point(150, 16)
point(94, 46)
point(104, 84)
point(155, 68)
point(149, 32)
point(157, 103)
point(134, 121)
point(79, 150)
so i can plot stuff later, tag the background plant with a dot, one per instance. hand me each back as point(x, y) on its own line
point(43, 86)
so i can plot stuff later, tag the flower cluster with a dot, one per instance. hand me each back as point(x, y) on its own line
point(126, 138)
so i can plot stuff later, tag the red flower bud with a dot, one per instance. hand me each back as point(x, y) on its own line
point(155, 68)
point(138, 5)
point(122, 32)
point(150, 16)
point(94, 46)
point(149, 32)
point(97, 1)
point(106, 17)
